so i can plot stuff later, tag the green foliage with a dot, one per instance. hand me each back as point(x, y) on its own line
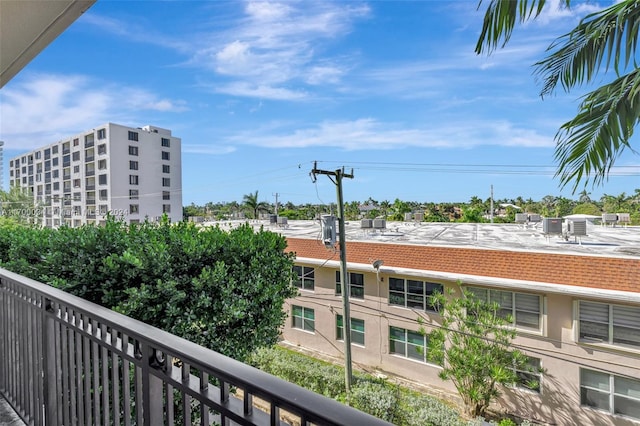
point(587, 208)
point(587, 145)
point(377, 397)
point(220, 289)
point(472, 215)
point(507, 422)
point(475, 344)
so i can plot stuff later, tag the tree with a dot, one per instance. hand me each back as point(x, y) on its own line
point(19, 206)
point(587, 145)
point(251, 202)
point(220, 289)
point(473, 346)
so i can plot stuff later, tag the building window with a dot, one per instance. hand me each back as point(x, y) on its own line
point(102, 148)
point(408, 344)
point(102, 179)
point(530, 377)
point(166, 208)
point(75, 156)
point(133, 165)
point(357, 330)
point(305, 277)
point(303, 318)
point(133, 208)
point(103, 195)
point(76, 142)
point(608, 392)
point(76, 183)
point(522, 308)
point(54, 161)
point(54, 149)
point(56, 186)
point(133, 179)
point(166, 168)
point(165, 155)
point(102, 133)
point(133, 136)
point(612, 324)
point(38, 155)
point(166, 182)
point(166, 142)
point(356, 283)
point(55, 174)
point(102, 164)
point(166, 195)
point(133, 150)
point(133, 194)
point(76, 169)
point(413, 294)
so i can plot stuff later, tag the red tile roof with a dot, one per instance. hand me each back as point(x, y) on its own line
point(608, 273)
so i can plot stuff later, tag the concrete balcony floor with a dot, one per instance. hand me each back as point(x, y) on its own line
point(8, 417)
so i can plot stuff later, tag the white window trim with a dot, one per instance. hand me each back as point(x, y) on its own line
point(364, 333)
point(611, 347)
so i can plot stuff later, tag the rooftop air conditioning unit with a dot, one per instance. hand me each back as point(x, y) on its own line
point(577, 227)
point(534, 217)
point(624, 217)
point(282, 220)
point(609, 217)
point(379, 223)
point(418, 217)
point(407, 217)
point(521, 217)
point(552, 225)
point(366, 223)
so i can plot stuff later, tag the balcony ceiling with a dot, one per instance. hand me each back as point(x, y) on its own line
point(28, 26)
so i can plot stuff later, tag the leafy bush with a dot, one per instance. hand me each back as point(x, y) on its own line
point(220, 289)
point(378, 398)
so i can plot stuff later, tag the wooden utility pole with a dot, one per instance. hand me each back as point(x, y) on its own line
point(344, 276)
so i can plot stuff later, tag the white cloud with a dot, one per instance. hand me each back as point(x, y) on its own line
point(262, 91)
point(40, 109)
point(370, 134)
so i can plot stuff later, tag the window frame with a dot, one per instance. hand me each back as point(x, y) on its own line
point(305, 277)
point(533, 370)
point(132, 136)
point(357, 335)
point(425, 294)
point(354, 288)
point(406, 344)
point(514, 306)
point(592, 338)
point(302, 322)
point(587, 391)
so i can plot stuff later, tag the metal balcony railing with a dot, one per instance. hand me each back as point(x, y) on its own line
point(66, 361)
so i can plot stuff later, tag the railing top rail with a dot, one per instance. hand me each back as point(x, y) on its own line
point(317, 408)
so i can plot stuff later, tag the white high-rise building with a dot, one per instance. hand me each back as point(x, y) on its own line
point(130, 173)
point(1, 166)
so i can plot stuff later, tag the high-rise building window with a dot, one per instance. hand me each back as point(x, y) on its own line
point(102, 133)
point(133, 165)
point(133, 194)
point(102, 164)
point(102, 179)
point(166, 168)
point(133, 179)
point(133, 150)
point(133, 136)
point(166, 208)
point(102, 148)
point(134, 208)
point(166, 182)
point(103, 194)
point(165, 155)
point(75, 156)
point(166, 142)
point(166, 195)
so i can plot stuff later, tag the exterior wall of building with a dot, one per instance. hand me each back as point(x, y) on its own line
point(83, 178)
point(567, 356)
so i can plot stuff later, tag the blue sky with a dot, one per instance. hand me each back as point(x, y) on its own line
point(258, 91)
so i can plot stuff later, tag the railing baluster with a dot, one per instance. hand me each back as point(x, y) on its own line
point(95, 370)
point(72, 369)
point(115, 379)
point(186, 398)
point(106, 410)
point(82, 392)
point(126, 385)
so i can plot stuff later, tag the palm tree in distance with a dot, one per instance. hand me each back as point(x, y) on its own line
point(250, 201)
point(588, 144)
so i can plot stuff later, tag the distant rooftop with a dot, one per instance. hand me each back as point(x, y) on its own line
point(610, 241)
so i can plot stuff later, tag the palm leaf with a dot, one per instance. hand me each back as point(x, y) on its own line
point(604, 39)
point(588, 145)
point(500, 19)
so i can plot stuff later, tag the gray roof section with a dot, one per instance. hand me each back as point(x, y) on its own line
point(609, 241)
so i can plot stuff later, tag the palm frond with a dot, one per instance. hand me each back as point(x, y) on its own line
point(604, 39)
point(501, 17)
point(588, 145)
